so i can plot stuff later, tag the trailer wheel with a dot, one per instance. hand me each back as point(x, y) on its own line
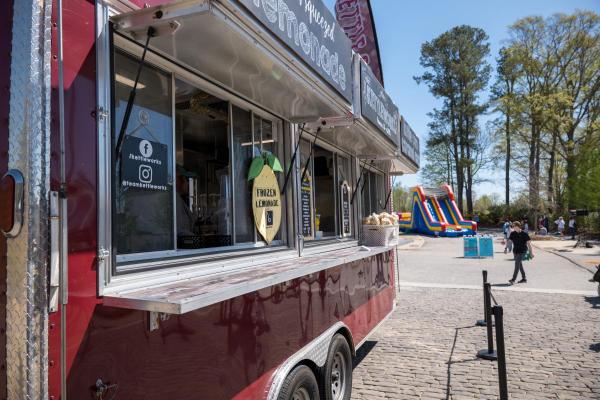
point(300, 384)
point(337, 372)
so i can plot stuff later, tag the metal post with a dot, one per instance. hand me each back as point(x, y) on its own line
point(482, 322)
point(489, 353)
point(502, 381)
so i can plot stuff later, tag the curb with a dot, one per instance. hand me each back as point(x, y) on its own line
point(414, 243)
point(572, 261)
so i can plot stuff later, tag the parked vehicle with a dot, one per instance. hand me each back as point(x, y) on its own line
point(162, 174)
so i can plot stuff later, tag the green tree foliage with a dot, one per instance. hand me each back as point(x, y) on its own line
point(547, 91)
point(456, 71)
point(402, 198)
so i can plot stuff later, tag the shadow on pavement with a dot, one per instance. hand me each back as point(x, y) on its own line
point(364, 351)
point(595, 347)
point(450, 362)
point(501, 284)
point(593, 300)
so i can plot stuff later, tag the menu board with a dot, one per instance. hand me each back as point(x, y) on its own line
point(345, 206)
point(376, 105)
point(306, 207)
point(410, 143)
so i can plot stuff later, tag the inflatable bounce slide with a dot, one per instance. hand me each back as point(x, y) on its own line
point(435, 213)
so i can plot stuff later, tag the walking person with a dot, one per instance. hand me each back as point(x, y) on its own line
point(572, 227)
point(521, 244)
point(560, 224)
point(508, 246)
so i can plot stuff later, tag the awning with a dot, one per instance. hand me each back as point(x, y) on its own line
point(273, 54)
point(373, 131)
point(360, 139)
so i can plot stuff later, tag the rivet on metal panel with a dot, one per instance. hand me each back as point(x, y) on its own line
point(103, 254)
point(102, 113)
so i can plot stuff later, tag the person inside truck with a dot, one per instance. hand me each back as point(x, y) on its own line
point(185, 218)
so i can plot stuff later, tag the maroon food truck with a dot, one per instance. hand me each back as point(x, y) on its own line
point(182, 194)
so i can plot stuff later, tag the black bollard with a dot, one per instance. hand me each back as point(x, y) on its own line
point(502, 381)
point(489, 353)
point(482, 322)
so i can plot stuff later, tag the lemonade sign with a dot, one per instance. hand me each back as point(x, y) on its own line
point(266, 198)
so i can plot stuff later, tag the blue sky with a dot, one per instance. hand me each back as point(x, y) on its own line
point(402, 26)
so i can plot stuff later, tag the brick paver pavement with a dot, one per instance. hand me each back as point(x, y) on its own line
point(427, 348)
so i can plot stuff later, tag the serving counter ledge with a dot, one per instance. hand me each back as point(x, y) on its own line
point(179, 297)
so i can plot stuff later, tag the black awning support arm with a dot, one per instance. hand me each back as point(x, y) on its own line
point(360, 177)
point(309, 156)
point(130, 101)
point(291, 167)
point(387, 200)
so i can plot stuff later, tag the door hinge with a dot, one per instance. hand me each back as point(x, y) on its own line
point(54, 273)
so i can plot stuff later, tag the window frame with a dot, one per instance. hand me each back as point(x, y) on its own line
point(354, 210)
point(119, 264)
point(370, 169)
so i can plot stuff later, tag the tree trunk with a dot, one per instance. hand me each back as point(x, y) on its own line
point(571, 171)
point(469, 183)
point(533, 165)
point(552, 165)
point(457, 159)
point(507, 164)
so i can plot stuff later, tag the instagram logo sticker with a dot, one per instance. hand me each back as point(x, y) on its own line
point(145, 173)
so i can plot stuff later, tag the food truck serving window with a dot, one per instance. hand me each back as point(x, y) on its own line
point(325, 193)
point(180, 182)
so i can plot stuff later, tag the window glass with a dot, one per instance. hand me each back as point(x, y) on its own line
point(243, 149)
point(203, 200)
point(365, 193)
point(178, 165)
point(325, 196)
point(374, 193)
point(382, 191)
point(143, 178)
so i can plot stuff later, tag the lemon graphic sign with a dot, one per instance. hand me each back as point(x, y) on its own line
point(266, 199)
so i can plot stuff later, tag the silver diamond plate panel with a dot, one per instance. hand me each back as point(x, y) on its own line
point(315, 351)
point(29, 134)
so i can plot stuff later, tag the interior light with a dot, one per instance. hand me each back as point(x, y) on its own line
point(129, 82)
point(257, 143)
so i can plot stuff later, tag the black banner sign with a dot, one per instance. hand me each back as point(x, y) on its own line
point(410, 143)
point(144, 164)
point(376, 105)
point(345, 199)
point(309, 29)
point(306, 208)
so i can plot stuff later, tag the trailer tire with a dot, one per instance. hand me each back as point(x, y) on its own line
point(336, 374)
point(300, 384)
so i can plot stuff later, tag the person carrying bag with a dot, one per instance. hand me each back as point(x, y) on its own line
point(522, 251)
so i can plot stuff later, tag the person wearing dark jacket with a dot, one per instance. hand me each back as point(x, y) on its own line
point(521, 244)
